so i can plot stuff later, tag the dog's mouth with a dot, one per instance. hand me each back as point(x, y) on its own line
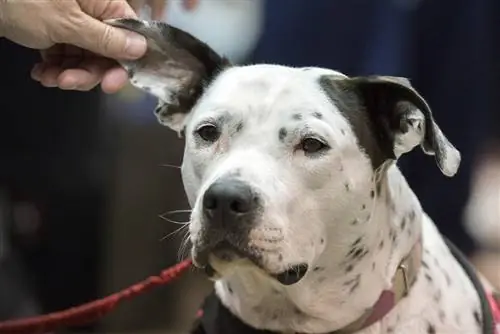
point(225, 255)
point(292, 275)
point(288, 277)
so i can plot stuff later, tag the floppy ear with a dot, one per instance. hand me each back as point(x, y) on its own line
point(175, 68)
point(402, 119)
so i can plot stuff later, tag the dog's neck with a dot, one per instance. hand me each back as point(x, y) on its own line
point(332, 296)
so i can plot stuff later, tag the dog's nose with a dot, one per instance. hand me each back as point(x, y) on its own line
point(228, 200)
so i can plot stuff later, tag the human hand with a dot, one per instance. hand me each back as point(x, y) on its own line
point(158, 6)
point(77, 48)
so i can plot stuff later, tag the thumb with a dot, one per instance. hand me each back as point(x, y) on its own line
point(109, 41)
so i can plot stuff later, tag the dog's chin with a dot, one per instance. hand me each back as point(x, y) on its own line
point(227, 261)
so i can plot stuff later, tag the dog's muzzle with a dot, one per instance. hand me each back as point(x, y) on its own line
point(231, 208)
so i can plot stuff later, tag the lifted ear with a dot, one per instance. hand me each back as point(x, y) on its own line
point(175, 68)
point(402, 119)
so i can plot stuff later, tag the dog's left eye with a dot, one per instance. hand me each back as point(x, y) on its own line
point(208, 132)
point(312, 145)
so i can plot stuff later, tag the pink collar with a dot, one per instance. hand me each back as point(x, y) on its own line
point(403, 279)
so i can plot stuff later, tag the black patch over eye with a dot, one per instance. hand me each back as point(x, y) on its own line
point(208, 132)
point(312, 145)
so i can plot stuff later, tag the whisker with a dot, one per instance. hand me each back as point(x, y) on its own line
point(170, 166)
point(173, 232)
point(184, 247)
point(177, 211)
point(173, 221)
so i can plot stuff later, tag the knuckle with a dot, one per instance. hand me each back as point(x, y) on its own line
point(106, 39)
point(66, 27)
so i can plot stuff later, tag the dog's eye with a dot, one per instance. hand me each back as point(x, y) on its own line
point(208, 132)
point(312, 145)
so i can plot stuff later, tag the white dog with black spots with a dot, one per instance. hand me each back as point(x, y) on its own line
point(299, 212)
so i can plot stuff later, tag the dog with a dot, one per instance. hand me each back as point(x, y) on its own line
point(299, 212)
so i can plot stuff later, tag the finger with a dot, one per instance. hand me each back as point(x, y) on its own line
point(36, 72)
point(114, 80)
point(55, 60)
point(49, 74)
point(105, 40)
point(87, 76)
point(157, 8)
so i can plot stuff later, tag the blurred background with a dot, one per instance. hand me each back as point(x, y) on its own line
point(84, 177)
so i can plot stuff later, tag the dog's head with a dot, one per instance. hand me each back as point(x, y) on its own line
point(278, 161)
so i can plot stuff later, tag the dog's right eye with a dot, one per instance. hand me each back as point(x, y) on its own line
point(208, 132)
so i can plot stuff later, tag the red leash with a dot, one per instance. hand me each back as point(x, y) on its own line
point(91, 311)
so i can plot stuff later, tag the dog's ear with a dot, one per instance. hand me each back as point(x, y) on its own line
point(401, 119)
point(175, 68)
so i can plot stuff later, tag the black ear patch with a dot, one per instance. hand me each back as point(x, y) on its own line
point(175, 68)
point(394, 118)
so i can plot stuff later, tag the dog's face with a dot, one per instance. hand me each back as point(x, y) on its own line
point(269, 161)
point(279, 161)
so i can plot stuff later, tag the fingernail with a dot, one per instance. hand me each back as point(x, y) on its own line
point(136, 45)
point(36, 72)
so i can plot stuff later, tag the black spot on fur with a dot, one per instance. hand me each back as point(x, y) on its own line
point(297, 117)
point(147, 89)
point(403, 224)
point(357, 241)
point(374, 266)
point(378, 188)
point(354, 222)
point(280, 257)
point(355, 286)
point(428, 277)
point(448, 278)
point(352, 280)
point(411, 215)
point(477, 318)
point(363, 206)
point(372, 194)
point(322, 241)
point(318, 115)
point(357, 252)
point(282, 134)
point(342, 131)
point(229, 289)
point(425, 265)
point(239, 127)
point(346, 186)
point(390, 330)
point(381, 244)
point(318, 269)
point(349, 268)
point(431, 329)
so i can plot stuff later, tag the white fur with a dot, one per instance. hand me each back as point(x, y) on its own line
point(307, 201)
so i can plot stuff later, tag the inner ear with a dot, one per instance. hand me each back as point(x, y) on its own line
point(175, 68)
point(401, 119)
